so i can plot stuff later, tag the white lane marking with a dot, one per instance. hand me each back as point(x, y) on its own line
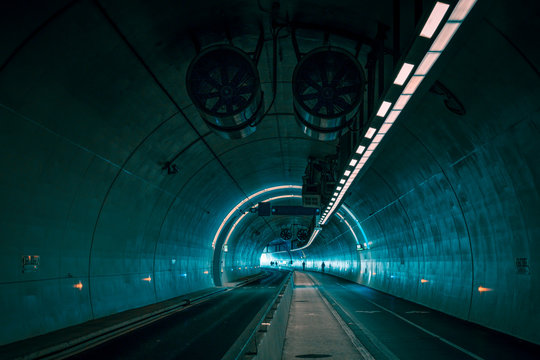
point(367, 311)
point(417, 312)
point(428, 332)
point(374, 340)
point(357, 344)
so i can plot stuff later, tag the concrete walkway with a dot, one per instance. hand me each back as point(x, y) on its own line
point(315, 330)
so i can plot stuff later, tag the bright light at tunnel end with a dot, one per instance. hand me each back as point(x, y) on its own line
point(391, 106)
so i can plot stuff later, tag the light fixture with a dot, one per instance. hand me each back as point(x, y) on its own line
point(370, 132)
point(403, 74)
point(237, 207)
point(435, 18)
point(373, 145)
point(392, 116)
point(384, 108)
point(378, 138)
point(431, 26)
point(427, 62)
point(444, 36)
point(401, 102)
point(461, 10)
point(384, 128)
point(412, 85)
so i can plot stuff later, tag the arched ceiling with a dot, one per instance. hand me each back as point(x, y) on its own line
point(93, 105)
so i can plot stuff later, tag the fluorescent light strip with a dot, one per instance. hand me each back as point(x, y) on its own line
point(243, 215)
point(412, 85)
point(444, 36)
point(234, 227)
point(401, 102)
point(378, 138)
point(280, 197)
point(459, 13)
point(392, 116)
point(246, 200)
point(349, 226)
point(384, 128)
point(461, 10)
point(435, 18)
point(373, 146)
point(313, 236)
point(353, 162)
point(384, 108)
point(370, 132)
point(427, 63)
point(357, 224)
point(403, 74)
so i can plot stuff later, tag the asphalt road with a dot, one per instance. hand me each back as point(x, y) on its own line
point(393, 328)
point(202, 331)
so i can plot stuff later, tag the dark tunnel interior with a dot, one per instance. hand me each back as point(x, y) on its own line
point(131, 175)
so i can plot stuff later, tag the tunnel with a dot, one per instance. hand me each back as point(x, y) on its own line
point(397, 142)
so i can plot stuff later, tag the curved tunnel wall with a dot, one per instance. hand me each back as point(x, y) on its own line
point(450, 204)
point(85, 129)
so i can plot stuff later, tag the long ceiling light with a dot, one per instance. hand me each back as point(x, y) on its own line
point(318, 230)
point(255, 206)
point(389, 113)
point(349, 226)
point(237, 207)
point(434, 19)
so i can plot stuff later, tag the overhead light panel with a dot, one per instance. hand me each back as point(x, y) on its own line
point(444, 36)
point(461, 10)
point(427, 62)
point(370, 132)
point(384, 128)
point(403, 74)
point(347, 173)
point(353, 162)
point(378, 138)
point(392, 116)
point(373, 145)
point(412, 85)
point(360, 149)
point(384, 108)
point(435, 18)
point(401, 102)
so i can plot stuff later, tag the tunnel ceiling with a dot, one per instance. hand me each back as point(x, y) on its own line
point(112, 177)
point(142, 120)
point(119, 68)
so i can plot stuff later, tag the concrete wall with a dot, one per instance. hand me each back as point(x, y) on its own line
point(92, 104)
point(451, 203)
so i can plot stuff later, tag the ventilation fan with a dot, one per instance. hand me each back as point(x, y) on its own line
point(223, 83)
point(328, 89)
